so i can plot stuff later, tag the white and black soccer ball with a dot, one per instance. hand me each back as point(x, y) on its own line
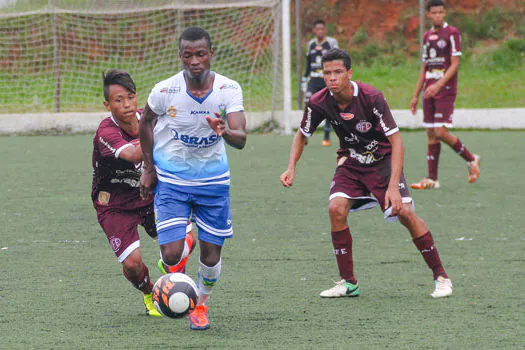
point(175, 295)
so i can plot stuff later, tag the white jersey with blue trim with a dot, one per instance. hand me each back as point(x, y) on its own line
point(186, 151)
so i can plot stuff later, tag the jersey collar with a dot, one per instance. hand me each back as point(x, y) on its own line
point(444, 26)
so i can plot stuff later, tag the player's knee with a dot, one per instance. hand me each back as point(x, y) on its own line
point(337, 210)
point(407, 215)
point(132, 265)
point(171, 256)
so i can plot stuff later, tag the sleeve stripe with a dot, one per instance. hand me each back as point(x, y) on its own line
point(391, 132)
point(117, 153)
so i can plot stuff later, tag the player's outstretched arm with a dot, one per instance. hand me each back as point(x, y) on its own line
point(235, 134)
point(296, 151)
point(148, 179)
point(133, 153)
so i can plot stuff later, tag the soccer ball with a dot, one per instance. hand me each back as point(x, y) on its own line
point(175, 295)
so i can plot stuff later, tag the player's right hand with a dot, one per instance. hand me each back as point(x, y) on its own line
point(413, 105)
point(148, 181)
point(287, 178)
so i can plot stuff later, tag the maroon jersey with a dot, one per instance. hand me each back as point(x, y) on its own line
point(115, 181)
point(438, 48)
point(362, 128)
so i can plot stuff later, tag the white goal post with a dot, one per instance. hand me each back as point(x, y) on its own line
point(53, 52)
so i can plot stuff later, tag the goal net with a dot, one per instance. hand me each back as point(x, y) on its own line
point(53, 52)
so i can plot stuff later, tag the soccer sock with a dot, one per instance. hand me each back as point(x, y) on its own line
point(141, 281)
point(460, 149)
point(425, 245)
point(434, 149)
point(208, 276)
point(342, 241)
point(327, 131)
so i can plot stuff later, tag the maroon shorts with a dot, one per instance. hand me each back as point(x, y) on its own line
point(366, 186)
point(120, 227)
point(438, 110)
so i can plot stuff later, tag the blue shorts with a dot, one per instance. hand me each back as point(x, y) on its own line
point(173, 209)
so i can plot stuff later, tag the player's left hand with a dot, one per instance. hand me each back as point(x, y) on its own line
point(217, 124)
point(432, 90)
point(393, 199)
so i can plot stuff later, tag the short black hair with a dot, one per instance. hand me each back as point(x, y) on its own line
point(338, 54)
point(194, 34)
point(319, 21)
point(435, 3)
point(117, 77)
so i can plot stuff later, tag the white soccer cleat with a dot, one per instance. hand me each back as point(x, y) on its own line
point(341, 289)
point(474, 169)
point(443, 288)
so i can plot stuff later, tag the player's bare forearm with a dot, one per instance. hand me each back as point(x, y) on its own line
point(296, 151)
point(132, 154)
point(451, 71)
point(396, 164)
point(146, 125)
point(235, 135)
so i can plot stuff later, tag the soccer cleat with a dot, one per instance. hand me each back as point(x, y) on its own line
point(473, 169)
point(425, 184)
point(341, 289)
point(443, 287)
point(199, 318)
point(326, 143)
point(181, 266)
point(150, 308)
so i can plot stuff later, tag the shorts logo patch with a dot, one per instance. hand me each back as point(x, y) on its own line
point(363, 126)
point(103, 197)
point(347, 116)
point(115, 243)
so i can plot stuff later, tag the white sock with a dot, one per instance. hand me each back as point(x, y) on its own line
point(208, 276)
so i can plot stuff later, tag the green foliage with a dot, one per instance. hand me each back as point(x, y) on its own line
point(63, 288)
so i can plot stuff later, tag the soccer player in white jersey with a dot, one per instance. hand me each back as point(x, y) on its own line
point(183, 128)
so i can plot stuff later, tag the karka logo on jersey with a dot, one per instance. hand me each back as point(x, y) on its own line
point(171, 90)
point(200, 113)
point(228, 86)
point(172, 112)
point(347, 116)
point(363, 126)
point(441, 44)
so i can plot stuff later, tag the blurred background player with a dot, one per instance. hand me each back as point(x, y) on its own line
point(117, 163)
point(438, 77)
point(369, 169)
point(313, 77)
point(183, 128)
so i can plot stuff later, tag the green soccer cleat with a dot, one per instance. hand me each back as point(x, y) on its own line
point(150, 308)
point(341, 289)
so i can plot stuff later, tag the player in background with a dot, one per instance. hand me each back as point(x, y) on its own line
point(369, 168)
point(183, 130)
point(313, 77)
point(117, 166)
point(438, 78)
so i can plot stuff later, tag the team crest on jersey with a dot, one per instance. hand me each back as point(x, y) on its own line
point(347, 116)
point(222, 110)
point(441, 44)
point(172, 112)
point(363, 126)
point(433, 37)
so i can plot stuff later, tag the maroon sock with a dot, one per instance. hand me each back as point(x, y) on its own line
point(433, 159)
point(425, 244)
point(342, 241)
point(142, 282)
point(460, 149)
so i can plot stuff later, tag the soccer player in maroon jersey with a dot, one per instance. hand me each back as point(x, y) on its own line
point(117, 166)
point(439, 78)
point(369, 168)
